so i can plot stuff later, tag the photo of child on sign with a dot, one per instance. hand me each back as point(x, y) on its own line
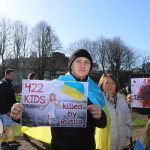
point(54, 103)
point(140, 88)
point(50, 106)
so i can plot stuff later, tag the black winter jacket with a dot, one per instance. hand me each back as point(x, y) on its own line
point(7, 96)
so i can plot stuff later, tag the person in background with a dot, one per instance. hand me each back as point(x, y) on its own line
point(32, 76)
point(7, 94)
point(120, 127)
point(63, 138)
point(7, 99)
point(144, 111)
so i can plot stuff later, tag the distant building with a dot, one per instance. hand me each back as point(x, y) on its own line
point(56, 66)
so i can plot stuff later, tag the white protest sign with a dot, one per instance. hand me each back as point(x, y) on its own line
point(54, 103)
point(140, 88)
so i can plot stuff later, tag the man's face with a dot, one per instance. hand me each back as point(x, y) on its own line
point(81, 67)
point(10, 76)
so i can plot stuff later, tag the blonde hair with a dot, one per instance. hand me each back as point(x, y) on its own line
point(103, 78)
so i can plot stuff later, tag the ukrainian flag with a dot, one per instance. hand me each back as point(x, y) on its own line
point(74, 89)
point(42, 133)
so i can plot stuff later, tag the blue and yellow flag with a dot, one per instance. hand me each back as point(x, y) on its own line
point(138, 145)
point(41, 133)
point(74, 89)
point(11, 129)
point(102, 135)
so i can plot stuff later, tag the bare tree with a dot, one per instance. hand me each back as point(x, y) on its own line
point(118, 56)
point(4, 40)
point(24, 49)
point(81, 44)
point(19, 46)
point(109, 54)
point(143, 64)
point(44, 42)
point(87, 44)
point(97, 49)
point(99, 53)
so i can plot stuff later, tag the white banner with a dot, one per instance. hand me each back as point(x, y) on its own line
point(54, 103)
point(140, 88)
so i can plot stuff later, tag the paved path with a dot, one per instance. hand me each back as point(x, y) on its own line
point(32, 145)
point(36, 145)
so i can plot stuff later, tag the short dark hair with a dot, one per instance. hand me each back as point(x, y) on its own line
point(104, 76)
point(8, 71)
point(31, 75)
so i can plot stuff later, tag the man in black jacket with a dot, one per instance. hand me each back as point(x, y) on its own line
point(80, 64)
point(7, 94)
point(7, 98)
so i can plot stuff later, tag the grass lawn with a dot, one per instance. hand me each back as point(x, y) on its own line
point(138, 122)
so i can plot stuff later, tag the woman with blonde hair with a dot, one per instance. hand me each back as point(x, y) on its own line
point(120, 126)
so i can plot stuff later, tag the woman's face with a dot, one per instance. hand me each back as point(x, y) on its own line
point(109, 86)
point(81, 67)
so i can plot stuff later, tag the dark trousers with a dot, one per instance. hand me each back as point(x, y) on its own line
point(67, 145)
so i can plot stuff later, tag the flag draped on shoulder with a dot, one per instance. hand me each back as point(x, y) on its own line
point(96, 96)
point(102, 135)
point(42, 133)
